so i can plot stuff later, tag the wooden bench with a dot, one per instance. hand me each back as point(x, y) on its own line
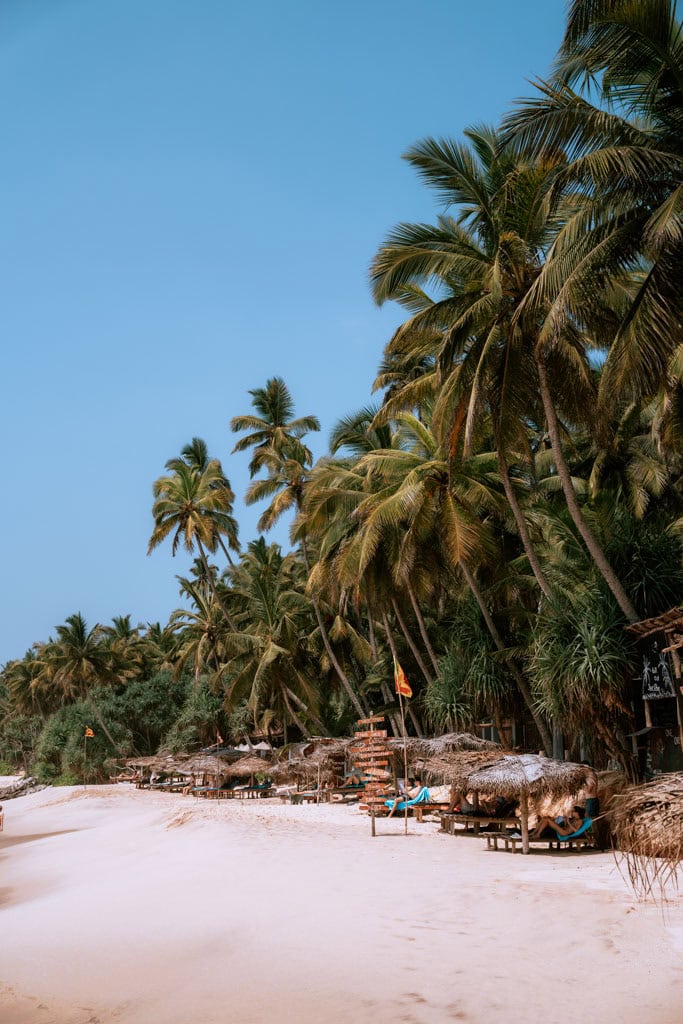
point(473, 823)
point(515, 842)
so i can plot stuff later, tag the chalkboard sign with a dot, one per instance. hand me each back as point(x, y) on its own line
point(656, 675)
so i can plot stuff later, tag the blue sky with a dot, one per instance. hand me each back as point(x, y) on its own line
point(190, 196)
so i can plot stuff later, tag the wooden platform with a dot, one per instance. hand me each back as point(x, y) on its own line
point(473, 823)
point(495, 840)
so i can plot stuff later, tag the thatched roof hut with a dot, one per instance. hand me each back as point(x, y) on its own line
point(647, 822)
point(515, 776)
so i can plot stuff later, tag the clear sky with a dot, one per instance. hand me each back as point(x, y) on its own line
point(191, 192)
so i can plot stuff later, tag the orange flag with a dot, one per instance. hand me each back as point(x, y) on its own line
point(88, 732)
point(400, 682)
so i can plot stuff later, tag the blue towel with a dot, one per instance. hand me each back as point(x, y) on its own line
point(587, 822)
point(421, 798)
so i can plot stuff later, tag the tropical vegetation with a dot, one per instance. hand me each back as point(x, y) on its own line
point(508, 506)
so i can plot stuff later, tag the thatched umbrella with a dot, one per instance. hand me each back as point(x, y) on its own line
point(204, 764)
point(647, 822)
point(456, 767)
point(519, 776)
point(248, 766)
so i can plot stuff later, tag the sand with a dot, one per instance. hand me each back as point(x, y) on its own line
point(126, 906)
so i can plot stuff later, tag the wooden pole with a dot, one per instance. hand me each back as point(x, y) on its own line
point(85, 760)
point(405, 763)
point(524, 812)
point(676, 659)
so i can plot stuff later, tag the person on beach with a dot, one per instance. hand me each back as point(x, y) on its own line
point(191, 783)
point(407, 793)
point(551, 828)
point(590, 793)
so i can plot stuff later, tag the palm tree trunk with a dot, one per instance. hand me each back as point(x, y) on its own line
point(543, 731)
point(409, 640)
point(306, 710)
point(225, 551)
point(386, 691)
point(362, 712)
point(596, 552)
point(295, 718)
point(214, 588)
point(413, 717)
point(522, 527)
point(100, 722)
point(422, 626)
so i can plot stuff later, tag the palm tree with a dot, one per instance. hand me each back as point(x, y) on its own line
point(266, 662)
point(77, 661)
point(496, 360)
point(196, 507)
point(279, 449)
point(274, 429)
point(625, 162)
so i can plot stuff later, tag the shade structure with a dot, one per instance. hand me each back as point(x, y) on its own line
point(515, 776)
point(157, 762)
point(647, 823)
point(523, 775)
point(204, 764)
point(248, 766)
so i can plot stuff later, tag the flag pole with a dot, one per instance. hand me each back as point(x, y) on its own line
point(85, 759)
point(405, 764)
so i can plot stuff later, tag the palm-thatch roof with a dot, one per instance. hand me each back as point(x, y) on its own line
point(156, 762)
point(318, 765)
point(204, 764)
point(647, 822)
point(248, 766)
point(516, 775)
point(456, 767)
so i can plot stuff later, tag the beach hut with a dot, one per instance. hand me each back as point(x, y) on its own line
point(521, 776)
point(247, 767)
point(647, 824)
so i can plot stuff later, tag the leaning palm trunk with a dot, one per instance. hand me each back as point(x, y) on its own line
point(100, 722)
point(306, 710)
point(422, 626)
point(522, 527)
point(409, 640)
point(413, 717)
point(543, 731)
point(343, 678)
point(386, 691)
point(295, 718)
point(214, 589)
point(595, 551)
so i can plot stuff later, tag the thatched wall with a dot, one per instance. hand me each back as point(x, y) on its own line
point(647, 824)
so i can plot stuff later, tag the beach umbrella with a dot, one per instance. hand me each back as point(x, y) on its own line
point(248, 766)
point(647, 823)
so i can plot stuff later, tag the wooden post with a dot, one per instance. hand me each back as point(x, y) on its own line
point(405, 764)
point(524, 812)
point(372, 820)
point(676, 659)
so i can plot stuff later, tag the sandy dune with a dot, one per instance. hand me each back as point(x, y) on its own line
point(142, 908)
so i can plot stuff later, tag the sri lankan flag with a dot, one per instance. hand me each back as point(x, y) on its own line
point(400, 682)
point(88, 732)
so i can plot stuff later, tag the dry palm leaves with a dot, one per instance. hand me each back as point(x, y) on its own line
point(647, 822)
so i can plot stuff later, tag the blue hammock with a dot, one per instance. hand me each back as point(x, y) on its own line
point(421, 798)
point(579, 832)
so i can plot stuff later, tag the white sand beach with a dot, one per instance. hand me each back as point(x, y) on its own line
point(141, 908)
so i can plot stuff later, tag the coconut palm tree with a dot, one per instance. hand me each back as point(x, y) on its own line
point(76, 662)
point(195, 506)
point(279, 449)
point(274, 428)
point(499, 366)
point(267, 663)
point(625, 162)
